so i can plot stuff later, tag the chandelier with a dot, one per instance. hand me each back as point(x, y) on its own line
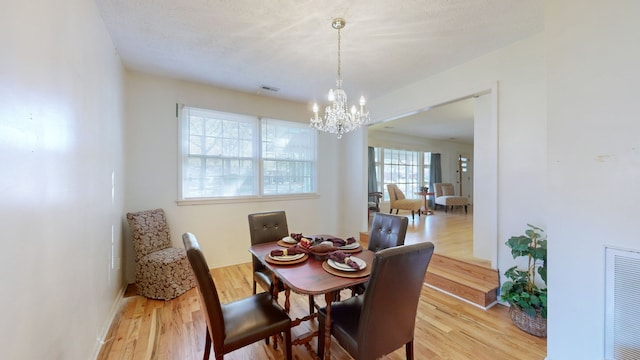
point(338, 119)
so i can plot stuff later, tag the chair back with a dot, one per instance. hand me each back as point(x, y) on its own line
point(207, 291)
point(394, 193)
point(387, 231)
point(149, 231)
point(438, 189)
point(390, 304)
point(448, 189)
point(267, 227)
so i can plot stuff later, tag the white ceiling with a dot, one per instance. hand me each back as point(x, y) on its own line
point(290, 44)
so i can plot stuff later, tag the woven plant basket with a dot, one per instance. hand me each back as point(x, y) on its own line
point(533, 325)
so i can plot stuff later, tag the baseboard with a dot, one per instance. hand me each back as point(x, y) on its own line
point(100, 339)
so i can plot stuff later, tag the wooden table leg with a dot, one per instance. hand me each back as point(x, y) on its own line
point(328, 298)
point(287, 294)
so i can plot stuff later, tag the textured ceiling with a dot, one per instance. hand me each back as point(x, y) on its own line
point(290, 45)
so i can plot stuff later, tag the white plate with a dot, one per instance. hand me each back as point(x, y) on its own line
point(289, 240)
point(344, 267)
point(350, 246)
point(287, 258)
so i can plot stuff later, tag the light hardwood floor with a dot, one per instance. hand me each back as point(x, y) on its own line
point(451, 233)
point(446, 328)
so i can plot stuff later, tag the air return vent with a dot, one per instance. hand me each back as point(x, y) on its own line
point(622, 308)
point(269, 88)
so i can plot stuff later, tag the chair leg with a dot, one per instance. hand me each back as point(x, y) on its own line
point(254, 287)
point(390, 211)
point(287, 345)
point(465, 209)
point(412, 213)
point(446, 207)
point(207, 345)
point(409, 349)
point(320, 349)
point(397, 211)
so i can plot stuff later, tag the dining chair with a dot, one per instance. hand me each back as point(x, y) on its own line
point(161, 271)
point(386, 231)
point(268, 227)
point(383, 319)
point(237, 324)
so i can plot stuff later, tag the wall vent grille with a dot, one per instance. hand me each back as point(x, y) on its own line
point(622, 305)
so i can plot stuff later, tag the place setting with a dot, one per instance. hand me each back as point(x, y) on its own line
point(350, 245)
point(343, 264)
point(289, 256)
point(292, 240)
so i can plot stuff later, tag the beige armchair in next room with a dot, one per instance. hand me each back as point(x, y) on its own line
point(399, 202)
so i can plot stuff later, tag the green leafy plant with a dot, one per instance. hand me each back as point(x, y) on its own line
point(522, 289)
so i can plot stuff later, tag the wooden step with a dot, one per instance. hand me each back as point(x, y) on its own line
point(473, 283)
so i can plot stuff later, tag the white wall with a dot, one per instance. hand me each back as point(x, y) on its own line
point(221, 228)
point(519, 71)
point(593, 140)
point(60, 180)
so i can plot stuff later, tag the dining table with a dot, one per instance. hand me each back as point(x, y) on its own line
point(312, 275)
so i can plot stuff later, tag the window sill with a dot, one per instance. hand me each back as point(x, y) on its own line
point(239, 200)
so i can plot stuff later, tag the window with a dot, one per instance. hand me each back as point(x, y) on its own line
point(426, 169)
point(402, 168)
point(228, 155)
point(288, 157)
point(407, 169)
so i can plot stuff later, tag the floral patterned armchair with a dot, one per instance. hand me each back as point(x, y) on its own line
point(162, 272)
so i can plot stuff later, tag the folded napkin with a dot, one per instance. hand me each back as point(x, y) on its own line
point(339, 256)
point(294, 250)
point(337, 242)
point(296, 236)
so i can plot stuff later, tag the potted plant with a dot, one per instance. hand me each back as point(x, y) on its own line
point(525, 291)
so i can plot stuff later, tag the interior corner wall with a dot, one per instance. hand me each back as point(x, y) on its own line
point(593, 141)
point(61, 179)
point(221, 227)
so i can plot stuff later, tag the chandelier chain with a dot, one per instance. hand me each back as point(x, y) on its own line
point(339, 60)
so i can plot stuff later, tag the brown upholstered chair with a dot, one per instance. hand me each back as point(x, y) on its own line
point(162, 271)
point(386, 231)
point(239, 323)
point(445, 196)
point(267, 227)
point(398, 201)
point(383, 319)
point(374, 202)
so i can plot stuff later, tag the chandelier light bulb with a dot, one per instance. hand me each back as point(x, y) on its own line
point(332, 96)
point(362, 101)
